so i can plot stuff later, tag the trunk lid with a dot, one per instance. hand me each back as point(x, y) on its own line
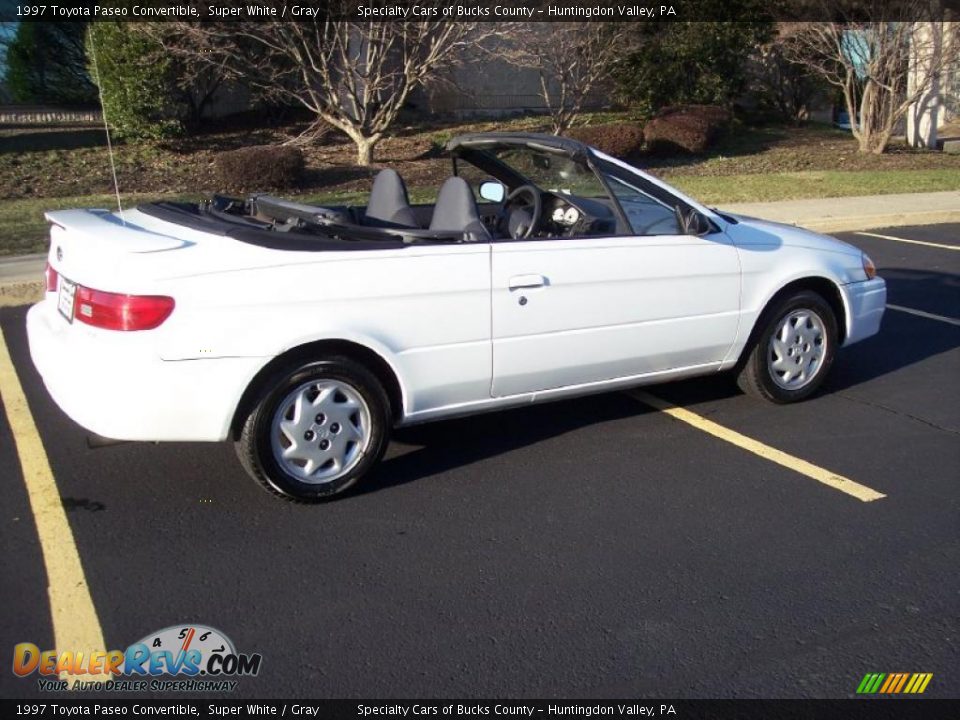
point(99, 249)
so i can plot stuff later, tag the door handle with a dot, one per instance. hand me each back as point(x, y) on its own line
point(526, 281)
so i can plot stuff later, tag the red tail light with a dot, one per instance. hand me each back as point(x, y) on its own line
point(113, 311)
point(50, 275)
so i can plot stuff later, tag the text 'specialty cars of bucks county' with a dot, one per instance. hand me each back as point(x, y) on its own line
point(544, 270)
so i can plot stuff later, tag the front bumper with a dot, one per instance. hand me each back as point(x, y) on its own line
point(865, 303)
point(115, 384)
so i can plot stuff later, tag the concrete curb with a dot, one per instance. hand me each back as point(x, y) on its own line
point(851, 213)
point(872, 222)
point(13, 294)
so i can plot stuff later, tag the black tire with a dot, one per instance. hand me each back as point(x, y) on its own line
point(255, 445)
point(756, 377)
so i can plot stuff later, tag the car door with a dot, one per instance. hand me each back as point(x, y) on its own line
point(572, 311)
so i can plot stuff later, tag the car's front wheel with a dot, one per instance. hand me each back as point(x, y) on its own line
point(316, 431)
point(793, 351)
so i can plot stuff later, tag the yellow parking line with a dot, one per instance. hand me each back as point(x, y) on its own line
point(924, 314)
point(942, 246)
point(837, 482)
point(76, 627)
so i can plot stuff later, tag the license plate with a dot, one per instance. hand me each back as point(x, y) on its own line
point(66, 298)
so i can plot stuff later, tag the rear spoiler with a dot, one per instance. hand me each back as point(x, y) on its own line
point(107, 228)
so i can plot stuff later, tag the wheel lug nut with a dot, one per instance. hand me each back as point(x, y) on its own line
point(324, 444)
point(335, 428)
point(320, 418)
point(308, 435)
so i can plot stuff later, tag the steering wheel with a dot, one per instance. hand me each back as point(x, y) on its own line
point(521, 212)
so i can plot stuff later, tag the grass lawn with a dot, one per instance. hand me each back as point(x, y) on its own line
point(23, 229)
point(728, 189)
point(723, 189)
point(65, 168)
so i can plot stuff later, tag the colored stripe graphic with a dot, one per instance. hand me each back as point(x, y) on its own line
point(894, 683)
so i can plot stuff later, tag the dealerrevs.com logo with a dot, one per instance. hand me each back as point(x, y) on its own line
point(894, 683)
point(179, 658)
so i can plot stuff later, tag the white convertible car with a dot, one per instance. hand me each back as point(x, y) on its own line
point(544, 270)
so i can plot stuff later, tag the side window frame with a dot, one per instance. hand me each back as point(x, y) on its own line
point(643, 185)
point(632, 187)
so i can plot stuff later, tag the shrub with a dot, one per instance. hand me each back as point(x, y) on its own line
point(46, 64)
point(137, 81)
point(717, 116)
point(688, 128)
point(260, 167)
point(693, 62)
point(779, 89)
point(621, 140)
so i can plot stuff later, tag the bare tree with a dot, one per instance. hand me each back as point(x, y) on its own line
point(355, 76)
point(883, 62)
point(198, 74)
point(781, 86)
point(572, 59)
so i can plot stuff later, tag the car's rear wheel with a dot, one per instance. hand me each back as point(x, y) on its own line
point(794, 350)
point(316, 430)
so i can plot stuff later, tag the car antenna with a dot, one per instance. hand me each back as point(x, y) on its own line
point(106, 127)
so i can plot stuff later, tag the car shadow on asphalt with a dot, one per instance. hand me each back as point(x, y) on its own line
point(904, 339)
point(442, 446)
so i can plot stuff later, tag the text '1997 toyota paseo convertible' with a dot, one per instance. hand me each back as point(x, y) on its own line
point(544, 270)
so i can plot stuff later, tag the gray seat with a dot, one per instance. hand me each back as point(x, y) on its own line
point(456, 210)
point(389, 205)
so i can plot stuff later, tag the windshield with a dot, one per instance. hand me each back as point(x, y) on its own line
point(550, 171)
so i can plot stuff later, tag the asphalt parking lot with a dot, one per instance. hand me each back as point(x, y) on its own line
point(592, 548)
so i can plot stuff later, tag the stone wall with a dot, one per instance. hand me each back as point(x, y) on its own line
point(37, 115)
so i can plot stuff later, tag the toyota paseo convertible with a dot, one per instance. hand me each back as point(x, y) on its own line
point(544, 270)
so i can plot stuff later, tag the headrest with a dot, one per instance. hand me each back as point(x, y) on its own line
point(389, 204)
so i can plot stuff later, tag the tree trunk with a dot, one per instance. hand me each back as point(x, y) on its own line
point(364, 151)
point(364, 143)
point(365, 147)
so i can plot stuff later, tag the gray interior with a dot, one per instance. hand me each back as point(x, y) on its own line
point(456, 210)
point(389, 205)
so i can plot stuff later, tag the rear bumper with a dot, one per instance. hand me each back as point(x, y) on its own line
point(865, 303)
point(115, 385)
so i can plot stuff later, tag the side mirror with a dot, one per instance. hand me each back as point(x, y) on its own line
point(492, 190)
point(692, 222)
